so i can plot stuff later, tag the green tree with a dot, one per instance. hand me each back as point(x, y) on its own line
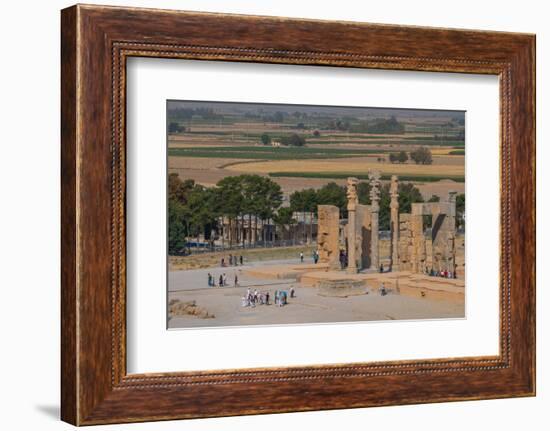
point(284, 218)
point(332, 194)
point(363, 192)
point(265, 138)
point(279, 117)
point(380, 125)
point(176, 227)
point(261, 198)
point(270, 198)
point(293, 140)
point(407, 195)
point(305, 201)
point(231, 203)
point(178, 189)
point(422, 156)
point(402, 157)
point(174, 127)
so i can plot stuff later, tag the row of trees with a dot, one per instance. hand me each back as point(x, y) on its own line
point(332, 194)
point(189, 113)
point(380, 125)
point(292, 140)
point(194, 209)
point(400, 157)
point(174, 127)
point(390, 125)
point(421, 156)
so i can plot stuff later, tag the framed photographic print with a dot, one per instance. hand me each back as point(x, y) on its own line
point(279, 215)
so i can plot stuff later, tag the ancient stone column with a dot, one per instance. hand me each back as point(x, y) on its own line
point(394, 206)
point(452, 231)
point(352, 206)
point(374, 178)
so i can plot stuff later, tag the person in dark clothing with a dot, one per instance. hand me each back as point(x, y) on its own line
point(342, 260)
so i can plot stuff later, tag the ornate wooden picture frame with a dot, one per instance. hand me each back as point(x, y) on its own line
point(96, 42)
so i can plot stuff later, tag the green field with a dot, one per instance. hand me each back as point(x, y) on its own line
point(344, 175)
point(269, 153)
point(330, 139)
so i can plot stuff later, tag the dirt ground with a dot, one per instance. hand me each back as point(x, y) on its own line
point(225, 303)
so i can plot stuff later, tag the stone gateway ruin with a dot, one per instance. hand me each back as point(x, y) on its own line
point(328, 235)
point(355, 244)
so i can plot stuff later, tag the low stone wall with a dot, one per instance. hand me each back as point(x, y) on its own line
point(341, 288)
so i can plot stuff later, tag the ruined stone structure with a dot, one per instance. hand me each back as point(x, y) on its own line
point(328, 235)
point(418, 253)
point(363, 233)
point(409, 248)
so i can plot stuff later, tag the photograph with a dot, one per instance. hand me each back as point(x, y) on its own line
point(283, 214)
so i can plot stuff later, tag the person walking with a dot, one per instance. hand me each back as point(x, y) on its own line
point(236, 280)
point(209, 280)
point(221, 281)
point(301, 257)
point(241, 259)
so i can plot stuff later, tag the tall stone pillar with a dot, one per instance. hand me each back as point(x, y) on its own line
point(452, 231)
point(394, 206)
point(352, 207)
point(374, 178)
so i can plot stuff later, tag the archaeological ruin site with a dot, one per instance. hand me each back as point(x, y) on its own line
point(299, 214)
point(422, 256)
